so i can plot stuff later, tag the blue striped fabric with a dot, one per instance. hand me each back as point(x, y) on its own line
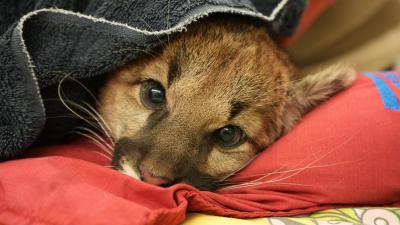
point(393, 77)
point(389, 98)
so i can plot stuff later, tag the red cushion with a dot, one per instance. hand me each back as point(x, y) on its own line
point(344, 153)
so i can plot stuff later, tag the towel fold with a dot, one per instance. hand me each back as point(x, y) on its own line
point(43, 42)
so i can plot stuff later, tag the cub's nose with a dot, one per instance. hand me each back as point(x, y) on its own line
point(148, 177)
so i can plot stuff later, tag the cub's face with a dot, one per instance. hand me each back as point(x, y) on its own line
point(201, 108)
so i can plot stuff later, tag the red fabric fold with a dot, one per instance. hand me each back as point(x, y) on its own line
point(343, 153)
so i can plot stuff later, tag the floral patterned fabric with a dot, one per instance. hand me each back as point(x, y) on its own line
point(345, 216)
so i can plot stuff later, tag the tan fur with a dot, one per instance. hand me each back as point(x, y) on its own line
point(220, 61)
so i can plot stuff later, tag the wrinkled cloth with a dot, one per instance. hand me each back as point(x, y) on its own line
point(44, 42)
point(344, 153)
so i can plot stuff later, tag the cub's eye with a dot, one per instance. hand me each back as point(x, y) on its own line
point(229, 136)
point(152, 94)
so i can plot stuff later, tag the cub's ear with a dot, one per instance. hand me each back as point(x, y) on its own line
point(314, 89)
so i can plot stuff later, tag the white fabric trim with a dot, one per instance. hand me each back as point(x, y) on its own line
point(178, 27)
point(19, 28)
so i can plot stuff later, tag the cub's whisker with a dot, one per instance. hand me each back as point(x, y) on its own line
point(296, 171)
point(104, 155)
point(97, 142)
point(276, 171)
point(106, 128)
point(97, 136)
point(98, 123)
point(65, 100)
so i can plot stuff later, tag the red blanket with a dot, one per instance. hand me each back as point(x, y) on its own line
point(344, 153)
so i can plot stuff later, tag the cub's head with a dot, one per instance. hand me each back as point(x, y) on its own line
point(202, 107)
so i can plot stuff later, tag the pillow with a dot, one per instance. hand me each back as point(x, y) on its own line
point(343, 153)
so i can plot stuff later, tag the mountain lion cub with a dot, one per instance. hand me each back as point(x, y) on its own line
point(207, 102)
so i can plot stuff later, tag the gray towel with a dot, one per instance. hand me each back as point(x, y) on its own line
point(45, 41)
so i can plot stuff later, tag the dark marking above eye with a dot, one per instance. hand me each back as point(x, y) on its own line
point(156, 117)
point(236, 108)
point(174, 70)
